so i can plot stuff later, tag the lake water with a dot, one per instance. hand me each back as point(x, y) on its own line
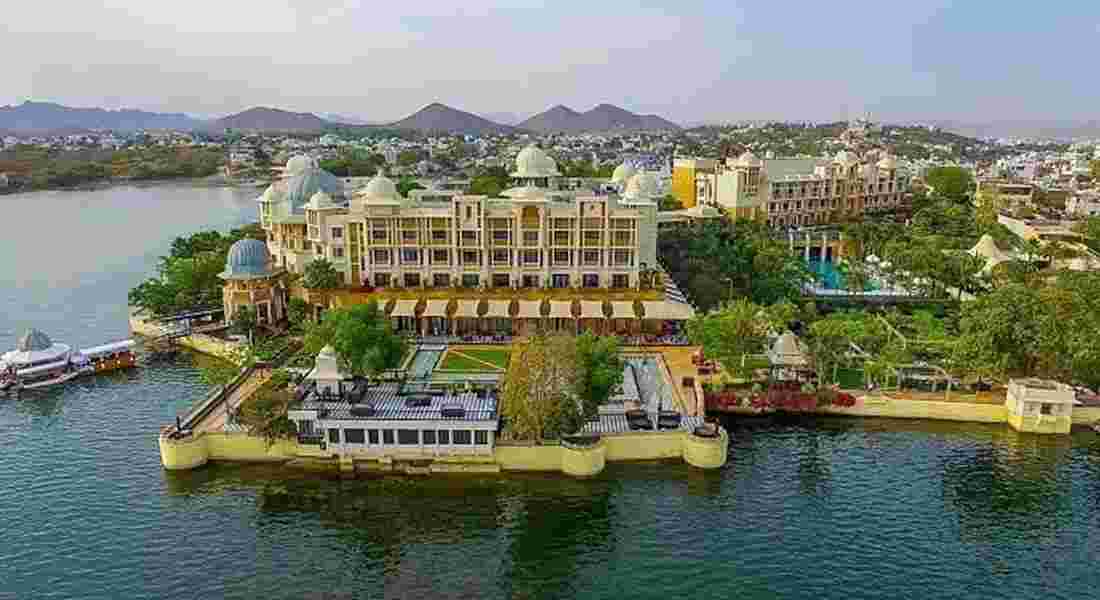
point(804, 509)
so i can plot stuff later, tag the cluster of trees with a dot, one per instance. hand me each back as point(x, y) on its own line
point(556, 382)
point(167, 163)
point(354, 164)
point(716, 260)
point(361, 336)
point(42, 168)
point(490, 181)
point(188, 276)
point(584, 168)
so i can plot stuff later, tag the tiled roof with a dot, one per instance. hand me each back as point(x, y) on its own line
point(619, 424)
point(390, 405)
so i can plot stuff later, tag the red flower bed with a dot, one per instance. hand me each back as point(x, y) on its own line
point(778, 397)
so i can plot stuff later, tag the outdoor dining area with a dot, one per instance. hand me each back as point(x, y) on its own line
point(497, 321)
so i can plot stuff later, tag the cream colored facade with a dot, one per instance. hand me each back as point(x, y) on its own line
point(795, 191)
point(537, 236)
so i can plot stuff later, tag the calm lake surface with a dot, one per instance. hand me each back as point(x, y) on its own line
point(804, 509)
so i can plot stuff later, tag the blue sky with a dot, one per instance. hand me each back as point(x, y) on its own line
point(975, 60)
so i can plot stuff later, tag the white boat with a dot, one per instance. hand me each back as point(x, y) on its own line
point(37, 362)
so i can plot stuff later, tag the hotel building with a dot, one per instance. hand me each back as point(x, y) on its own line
point(791, 191)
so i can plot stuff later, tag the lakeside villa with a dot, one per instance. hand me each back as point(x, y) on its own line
point(462, 265)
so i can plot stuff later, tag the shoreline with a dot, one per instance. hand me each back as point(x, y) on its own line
point(209, 181)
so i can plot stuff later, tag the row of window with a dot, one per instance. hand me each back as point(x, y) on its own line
point(501, 280)
point(499, 237)
point(498, 258)
point(813, 204)
point(413, 224)
point(409, 437)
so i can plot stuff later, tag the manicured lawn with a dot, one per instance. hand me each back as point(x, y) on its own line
point(475, 360)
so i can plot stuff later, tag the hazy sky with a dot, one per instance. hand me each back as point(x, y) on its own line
point(689, 61)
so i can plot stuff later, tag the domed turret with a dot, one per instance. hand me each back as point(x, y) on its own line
point(321, 200)
point(298, 164)
point(247, 259)
point(533, 163)
point(301, 188)
point(888, 163)
point(642, 186)
point(380, 190)
point(748, 159)
point(623, 173)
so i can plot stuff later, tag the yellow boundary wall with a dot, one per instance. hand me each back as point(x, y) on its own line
point(576, 460)
point(199, 342)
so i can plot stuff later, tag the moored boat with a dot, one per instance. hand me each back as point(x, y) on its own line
point(37, 362)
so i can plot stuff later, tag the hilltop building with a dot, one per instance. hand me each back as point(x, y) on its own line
point(791, 191)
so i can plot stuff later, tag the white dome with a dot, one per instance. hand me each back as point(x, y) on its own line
point(531, 162)
point(888, 162)
point(642, 186)
point(380, 190)
point(623, 173)
point(298, 164)
point(321, 200)
point(748, 159)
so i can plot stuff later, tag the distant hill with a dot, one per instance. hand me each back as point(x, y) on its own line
point(1048, 129)
point(344, 120)
point(441, 118)
point(262, 118)
point(43, 117)
point(605, 117)
point(504, 118)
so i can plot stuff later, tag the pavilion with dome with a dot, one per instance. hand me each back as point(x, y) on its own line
point(252, 280)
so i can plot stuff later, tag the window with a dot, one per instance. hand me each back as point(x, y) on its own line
point(470, 280)
point(387, 436)
point(620, 281)
point(378, 235)
point(441, 280)
point(444, 436)
point(591, 258)
point(439, 236)
point(381, 280)
point(501, 280)
point(412, 279)
point(1046, 409)
point(428, 435)
point(621, 258)
point(501, 257)
point(337, 233)
point(530, 238)
point(409, 237)
point(481, 438)
point(338, 252)
point(563, 257)
point(562, 238)
point(469, 236)
point(531, 258)
point(590, 280)
point(381, 257)
point(530, 281)
point(462, 436)
point(410, 256)
point(372, 435)
point(408, 436)
point(334, 436)
point(469, 257)
point(469, 212)
point(559, 281)
point(500, 235)
point(353, 436)
point(441, 257)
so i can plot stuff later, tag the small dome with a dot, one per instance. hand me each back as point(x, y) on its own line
point(531, 162)
point(301, 188)
point(845, 157)
point(247, 259)
point(321, 200)
point(623, 173)
point(298, 164)
point(748, 159)
point(642, 186)
point(888, 162)
point(380, 190)
point(34, 341)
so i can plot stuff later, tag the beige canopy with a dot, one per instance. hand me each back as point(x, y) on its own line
point(467, 309)
point(787, 352)
point(528, 309)
point(667, 311)
point(498, 309)
point(591, 309)
point(622, 310)
point(436, 308)
point(561, 309)
point(404, 308)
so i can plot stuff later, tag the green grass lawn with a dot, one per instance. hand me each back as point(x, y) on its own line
point(474, 360)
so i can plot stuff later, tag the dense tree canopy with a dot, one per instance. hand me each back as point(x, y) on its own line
point(319, 274)
point(953, 183)
point(361, 336)
point(490, 182)
point(600, 371)
point(730, 332)
point(539, 400)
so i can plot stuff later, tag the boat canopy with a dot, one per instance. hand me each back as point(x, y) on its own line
point(105, 349)
point(42, 368)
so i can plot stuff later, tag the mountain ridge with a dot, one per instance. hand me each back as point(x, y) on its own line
point(602, 117)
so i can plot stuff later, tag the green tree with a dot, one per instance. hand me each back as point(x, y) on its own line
point(669, 202)
point(297, 314)
point(600, 371)
point(406, 185)
point(727, 334)
point(244, 321)
point(319, 274)
point(264, 414)
point(539, 400)
point(953, 183)
point(490, 182)
point(361, 336)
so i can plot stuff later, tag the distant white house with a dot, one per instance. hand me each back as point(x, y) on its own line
point(3, 180)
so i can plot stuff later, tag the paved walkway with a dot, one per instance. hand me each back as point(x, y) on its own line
point(215, 419)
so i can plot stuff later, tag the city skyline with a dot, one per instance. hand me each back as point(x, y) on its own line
point(705, 62)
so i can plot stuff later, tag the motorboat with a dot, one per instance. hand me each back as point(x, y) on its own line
point(38, 362)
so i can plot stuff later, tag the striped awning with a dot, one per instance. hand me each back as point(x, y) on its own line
point(467, 309)
point(591, 309)
point(529, 309)
point(668, 311)
point(404, 308)
point(561, 309)
point(436, 308)
point(622, 310)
